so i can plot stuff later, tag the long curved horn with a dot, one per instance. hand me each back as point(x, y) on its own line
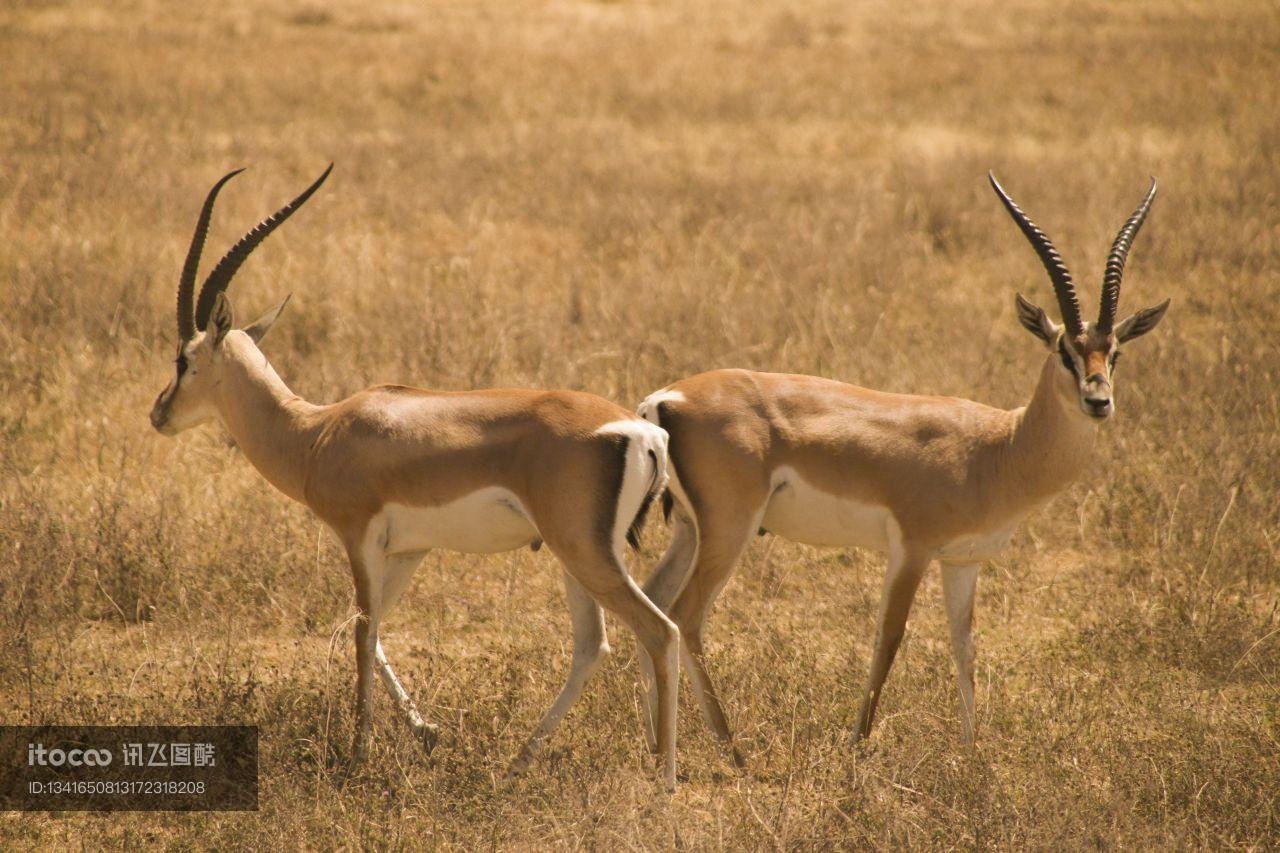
point(1052, 261)
point(1115, 262)
point(187, 282)
point(222, 273)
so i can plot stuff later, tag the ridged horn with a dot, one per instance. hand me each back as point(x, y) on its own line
point(226, 269)
point(187, 282)
point(1115, 262)
point(1068, 304)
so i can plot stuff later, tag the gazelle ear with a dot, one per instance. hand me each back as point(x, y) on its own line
point(258, 328)
point(1035, 321)
point(1136, 325)
point(222, 318)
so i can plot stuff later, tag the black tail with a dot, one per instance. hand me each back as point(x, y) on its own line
point(637, 525)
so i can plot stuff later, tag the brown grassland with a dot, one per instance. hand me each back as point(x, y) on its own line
point(610, 196)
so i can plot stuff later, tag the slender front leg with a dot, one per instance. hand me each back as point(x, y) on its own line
point(590, 645)
point(368, 570)
point(366, 632)
point(722, 539)
point(900, 584)
point(958, 586)
point(400, 569)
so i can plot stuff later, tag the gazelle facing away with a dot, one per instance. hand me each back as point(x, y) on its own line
point(921, 478)
point(396, 471)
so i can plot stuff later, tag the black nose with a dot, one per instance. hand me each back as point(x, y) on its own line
point(158, 413)
point(1098, 408)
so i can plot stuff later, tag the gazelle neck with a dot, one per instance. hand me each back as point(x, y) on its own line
point(273, 427)
point(1052, 440)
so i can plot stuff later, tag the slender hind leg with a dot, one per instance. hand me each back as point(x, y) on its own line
point(590, 645)
point(604, 577)
point(400, 569)
point(958, 586)
point(586, 529)
point(661, 588)
point(672, 572)
point(900, 584)
point(719, 549)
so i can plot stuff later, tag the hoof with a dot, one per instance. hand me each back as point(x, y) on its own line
point(349, 771)
point(519, 764)
point(860, 743)
point(861, 732)
point(428, 734)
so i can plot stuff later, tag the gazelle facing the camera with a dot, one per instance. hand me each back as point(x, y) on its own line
point(920, 478)
point(396, 471)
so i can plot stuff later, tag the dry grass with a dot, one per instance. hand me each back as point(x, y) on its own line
point(610, 196)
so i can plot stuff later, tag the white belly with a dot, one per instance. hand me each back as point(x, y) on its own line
point(483, 522)
point(799, 512)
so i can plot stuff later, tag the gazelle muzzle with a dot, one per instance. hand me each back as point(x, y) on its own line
point(1096, 399)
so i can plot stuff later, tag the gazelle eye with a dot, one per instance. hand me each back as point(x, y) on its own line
point(1115, 356)
point(182, 363)
point(1067, 361)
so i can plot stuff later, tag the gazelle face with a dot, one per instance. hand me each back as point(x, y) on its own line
point(188, 399)
point(1087, 352)
point(186, 402)
point(1087, 362)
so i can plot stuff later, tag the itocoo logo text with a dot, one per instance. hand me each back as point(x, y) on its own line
point(39, 756)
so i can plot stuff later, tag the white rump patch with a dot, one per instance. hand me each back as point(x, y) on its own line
point(642, 431)
point(649, 408)
point(484, 522)
point(649, 411)
point(800, 512)
point(646, 447)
